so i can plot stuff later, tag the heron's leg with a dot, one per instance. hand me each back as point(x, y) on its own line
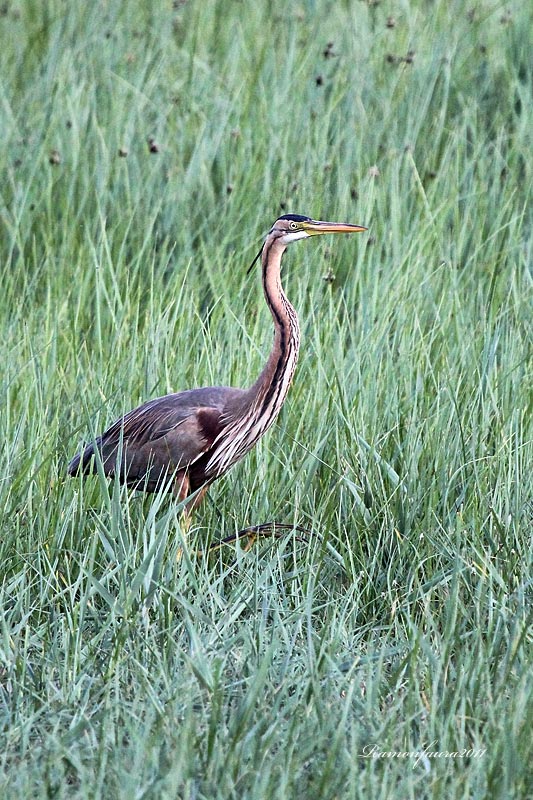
point(193, 504)
point(252, 539)
point(182, 485)
point(181, 490)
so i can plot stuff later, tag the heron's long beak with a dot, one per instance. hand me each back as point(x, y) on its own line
point(315, 227)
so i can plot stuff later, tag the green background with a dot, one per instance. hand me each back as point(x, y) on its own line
point(405, 447)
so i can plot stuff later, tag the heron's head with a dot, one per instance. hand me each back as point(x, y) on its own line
point(291, 227)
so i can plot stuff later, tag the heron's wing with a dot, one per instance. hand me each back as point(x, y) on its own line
point(156, 438)
point(149, 422)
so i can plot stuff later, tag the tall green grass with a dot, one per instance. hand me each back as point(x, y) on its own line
point(405, 447)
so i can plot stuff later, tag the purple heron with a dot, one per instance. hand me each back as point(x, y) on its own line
point(186, 440)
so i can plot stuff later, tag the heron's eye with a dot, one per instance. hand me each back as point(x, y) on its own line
point(293, 225)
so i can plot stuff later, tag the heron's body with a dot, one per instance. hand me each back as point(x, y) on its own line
point(161, 437)
point(189, 439)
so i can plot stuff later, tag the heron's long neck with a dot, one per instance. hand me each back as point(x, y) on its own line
point(268, 393)
point(261, 403)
